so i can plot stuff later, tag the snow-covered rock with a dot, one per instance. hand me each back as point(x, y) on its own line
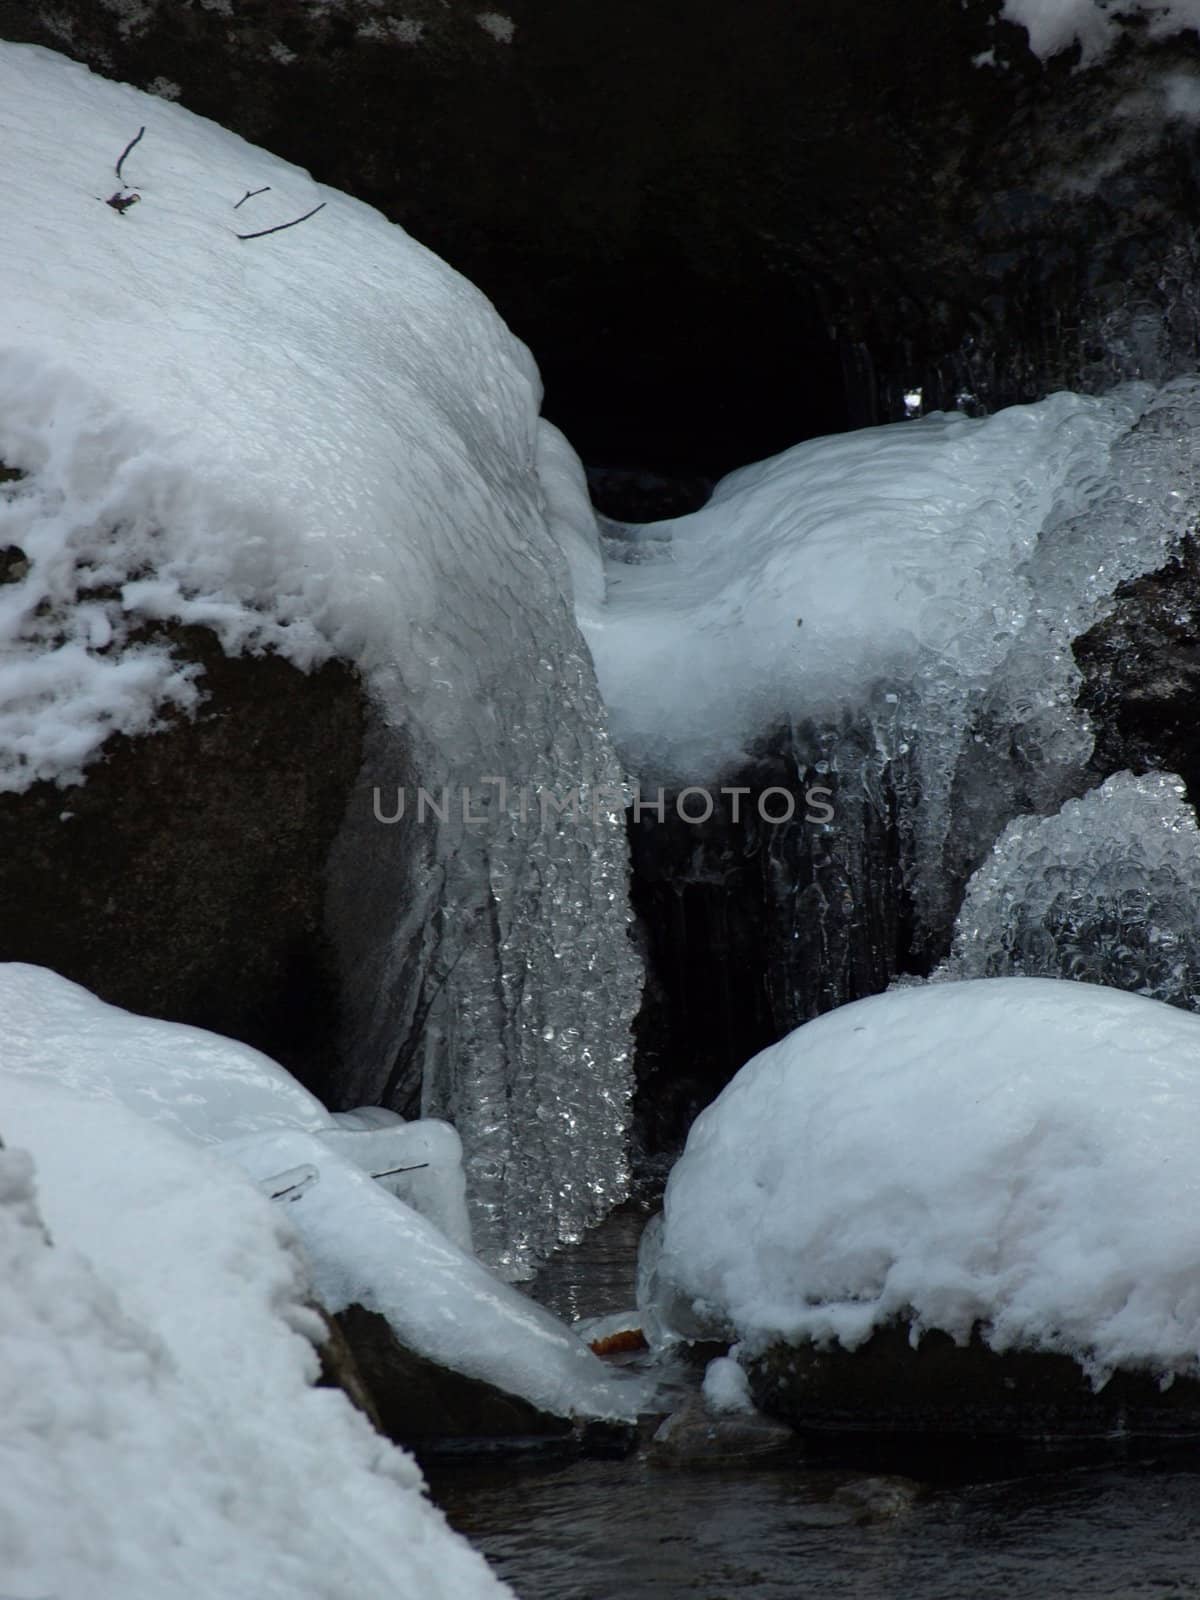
point(363, 1243)
point(159, 1428)
point(726, 1387)
point(327, 448)
point(1016, 1157)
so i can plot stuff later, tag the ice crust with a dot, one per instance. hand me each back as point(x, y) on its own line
point(900, 601)
point(1105, 891)
point(1013, 1152)
point(369, 1248)
point(323, 442)
point(159, 1429)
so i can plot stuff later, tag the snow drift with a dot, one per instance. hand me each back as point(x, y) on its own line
point(159, 1432)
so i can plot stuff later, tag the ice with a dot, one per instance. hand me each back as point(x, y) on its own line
point(1054, 25)
point(1014, 1152)
point(1105, 891)
point(159, 1431)
point(199, 1084)
point(323, 442)
point(211, 1090)
point(397, 1244)
point(899, 602)
point(367, 1247)
point(418, 1162)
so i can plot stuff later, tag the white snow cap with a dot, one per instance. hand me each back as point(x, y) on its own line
point(1016, 1152)
point(1055, 25)
point(308, 441)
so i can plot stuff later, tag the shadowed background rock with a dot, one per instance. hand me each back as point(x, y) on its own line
point(727, 228)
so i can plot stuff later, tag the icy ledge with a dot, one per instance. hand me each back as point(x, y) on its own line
point(1015, 1153)
point(63, 1054)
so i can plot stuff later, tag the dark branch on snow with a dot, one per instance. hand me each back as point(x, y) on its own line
point(249, 195)
point(392, 1171)
point(262, 232)
point(125, 152)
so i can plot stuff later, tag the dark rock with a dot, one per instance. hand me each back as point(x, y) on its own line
point(186, 877)
point(339, 1370)
point(722, 230)
point(1141, 668)
point(694, 1436)
point(878, 1499)
point(426, 1406)
point(941, 1409)
point(751, 927)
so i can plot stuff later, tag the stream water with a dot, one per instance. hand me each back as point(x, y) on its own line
point(640, 1530)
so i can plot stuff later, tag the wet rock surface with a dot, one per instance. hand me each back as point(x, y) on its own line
point(439, 1412)
point(185, 879)
point(944, 1410)
point(752, 926)
point(1141, 668)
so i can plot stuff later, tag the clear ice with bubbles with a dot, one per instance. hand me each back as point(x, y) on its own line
point(1105, 891)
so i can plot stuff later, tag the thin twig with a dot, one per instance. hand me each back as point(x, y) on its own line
point(280, 1194)
point(250, 193)
point(392, 1171)
point(263, 232)
point(126, 151)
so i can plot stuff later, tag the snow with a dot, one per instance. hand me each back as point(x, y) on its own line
point(399, 1245)
point(368, 1248)
point(886, 597)
point(1014, 1152)
point(726, 1387)
point(323, 442)
point(1055, 25)
point(198, 1084)
point(159, 1432)
point(1105, 891)
point(843, 561)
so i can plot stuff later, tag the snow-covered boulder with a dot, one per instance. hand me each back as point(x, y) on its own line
point(159, 1423)
point(1008, 1165)
point(268, 571)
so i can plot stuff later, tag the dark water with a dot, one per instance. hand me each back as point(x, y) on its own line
point(639, 1530)
point(627, 1530)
